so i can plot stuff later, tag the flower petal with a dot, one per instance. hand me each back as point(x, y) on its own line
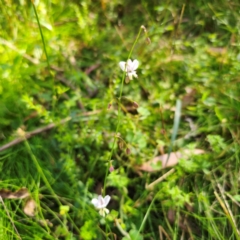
point(95, 202)
point(134, 74)
point(129, 62)
point(135, 65)
point(106, 200)
point(129, 65)
point(122, 65)
point(129, 74)
point(101, 203)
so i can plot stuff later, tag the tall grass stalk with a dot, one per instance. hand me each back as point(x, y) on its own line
point(41, 33)
point(45, 51)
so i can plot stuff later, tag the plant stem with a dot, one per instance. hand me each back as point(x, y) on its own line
point(119, 109)
point(146, 215)
point(42, 37)
point(45, 51)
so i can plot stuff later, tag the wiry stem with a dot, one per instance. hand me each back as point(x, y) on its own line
point(1, 200)
point(119, 109)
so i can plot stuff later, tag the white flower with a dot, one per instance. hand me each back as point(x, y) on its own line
point(130, 68)
point(100, 204)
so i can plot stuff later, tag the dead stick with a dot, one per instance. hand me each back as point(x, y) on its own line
point(42, 129)
point(11, 46)
point(150, 186)
point(33, 133)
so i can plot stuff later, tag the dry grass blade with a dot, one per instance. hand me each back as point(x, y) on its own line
point(228, 207)
point(161, 232)
point(151, 186)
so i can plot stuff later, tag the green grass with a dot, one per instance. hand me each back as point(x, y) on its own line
point(59, 68)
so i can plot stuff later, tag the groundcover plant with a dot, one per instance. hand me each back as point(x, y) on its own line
point(119, 119)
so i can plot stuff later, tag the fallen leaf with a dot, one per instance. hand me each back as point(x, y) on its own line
point(161, 162)
point(19, 194)
point(29, 208)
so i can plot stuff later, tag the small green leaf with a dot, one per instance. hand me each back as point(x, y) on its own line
point(216, 142)
point(144, 112)
point(135, 235)
point(237, 197)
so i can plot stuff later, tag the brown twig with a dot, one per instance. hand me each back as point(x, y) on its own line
point(11, 46)
point(66, 82)
point(28, 135)
point(92, 68)
point(33, 133)
point(161, 230)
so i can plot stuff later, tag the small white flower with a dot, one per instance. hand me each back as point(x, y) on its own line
point(130, 68)
point(100, 204)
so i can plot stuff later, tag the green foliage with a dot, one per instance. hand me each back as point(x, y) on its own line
point(133, 235)
point(64, 80)
point(117, 179)
point(88, 231)
point(217, 143)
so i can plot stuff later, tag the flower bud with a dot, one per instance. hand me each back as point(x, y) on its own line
point(111, 169)
point(21, 132)
point(128, 151)
point(109, 106)
point(144, 29)
point(163, 131)
point(135, 104)
point(121, 144)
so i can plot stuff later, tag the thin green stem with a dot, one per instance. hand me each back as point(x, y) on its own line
point(135, 42)
point(41, 33)
point(34, 159)
point(146, 215)
point(119, 110)
point(11, 220)
point(46, 181)
point(45, 51)
point(39, 169)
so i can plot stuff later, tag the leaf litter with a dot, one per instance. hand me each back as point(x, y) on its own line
point(22, 193)
point(164, 161)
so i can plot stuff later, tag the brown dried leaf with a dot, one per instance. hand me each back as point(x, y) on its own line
point(19, 194)
point(160, 162)
point(29, 208)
